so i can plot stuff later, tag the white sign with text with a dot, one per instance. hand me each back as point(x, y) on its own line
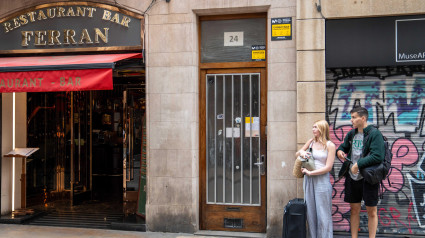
point(233, 38)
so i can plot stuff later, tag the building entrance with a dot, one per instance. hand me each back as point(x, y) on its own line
point(91, 150)
point(233, 160)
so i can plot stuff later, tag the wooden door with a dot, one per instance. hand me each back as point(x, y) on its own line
point(233, 149)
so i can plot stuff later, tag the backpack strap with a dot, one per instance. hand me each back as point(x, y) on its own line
point(350, 141)
point(368, 134)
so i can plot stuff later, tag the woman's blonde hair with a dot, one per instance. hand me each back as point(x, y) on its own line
point(323, 127)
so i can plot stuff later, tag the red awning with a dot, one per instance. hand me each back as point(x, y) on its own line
point(59, 73)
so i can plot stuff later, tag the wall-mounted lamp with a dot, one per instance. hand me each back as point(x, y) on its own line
point(319, 6)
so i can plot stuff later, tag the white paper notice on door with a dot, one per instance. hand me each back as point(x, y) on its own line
point(252, 127)
point(235, 133)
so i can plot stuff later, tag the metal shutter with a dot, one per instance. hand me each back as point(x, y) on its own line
point(396, 105)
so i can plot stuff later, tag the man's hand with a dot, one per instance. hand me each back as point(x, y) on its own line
point(341, 155)
point(355, 169)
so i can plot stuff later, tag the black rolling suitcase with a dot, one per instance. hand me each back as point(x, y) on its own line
point(294, 219)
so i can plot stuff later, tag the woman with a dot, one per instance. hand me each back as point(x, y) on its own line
point(317, 185)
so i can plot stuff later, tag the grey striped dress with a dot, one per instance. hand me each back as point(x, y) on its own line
point(318, 197)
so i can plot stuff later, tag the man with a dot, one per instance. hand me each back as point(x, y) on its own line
point(363, 153)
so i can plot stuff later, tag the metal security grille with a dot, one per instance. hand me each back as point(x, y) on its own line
point(233, 139)
point(396, 104)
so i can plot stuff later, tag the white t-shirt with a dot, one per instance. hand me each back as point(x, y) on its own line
point(356, 153)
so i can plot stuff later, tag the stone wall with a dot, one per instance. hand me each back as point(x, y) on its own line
point(371, 8)
point(310, 70)
point(172, 65)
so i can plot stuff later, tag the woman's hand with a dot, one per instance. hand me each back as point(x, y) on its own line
point(305, 171)
point(304, 154)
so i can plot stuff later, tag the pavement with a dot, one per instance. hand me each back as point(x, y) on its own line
point(29, 231)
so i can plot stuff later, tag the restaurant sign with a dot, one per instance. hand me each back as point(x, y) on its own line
point(56, 80)
point(71, 26)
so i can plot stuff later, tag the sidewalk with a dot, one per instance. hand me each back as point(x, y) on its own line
point(28, 231)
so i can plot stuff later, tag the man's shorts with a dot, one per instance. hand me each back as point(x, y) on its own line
point(355, 191)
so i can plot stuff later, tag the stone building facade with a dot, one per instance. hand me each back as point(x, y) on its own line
point(295, 97)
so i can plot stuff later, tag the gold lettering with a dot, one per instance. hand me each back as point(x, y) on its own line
point(70, 12)
point(106, 15)
point(102, 36)
point(51, 12)
point(26, 36)
point(70, 82)
point(40, 38)
point(17, 83)
point(85, 37)
point(41, 15)
point(62, 81)
point(33, 82)
point(23, 19)
point(54, 37)
point(61, 12)
point(7, 27)
point(91, 10)
point(16, 22)
point(116, 18)
point(125, 21)
point(25, 83)
point(81, 11)
point(39, 81)
point(32, 16)
point(68, 37)
point(10, 83)
point(2, 85)
point(77, 81)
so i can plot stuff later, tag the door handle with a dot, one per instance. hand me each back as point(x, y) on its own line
point(261, 164)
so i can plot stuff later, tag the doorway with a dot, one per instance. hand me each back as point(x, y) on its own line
point(91, 157)
point(233, 149)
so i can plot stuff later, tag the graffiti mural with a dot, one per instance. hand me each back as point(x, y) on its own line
point(397, 107)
